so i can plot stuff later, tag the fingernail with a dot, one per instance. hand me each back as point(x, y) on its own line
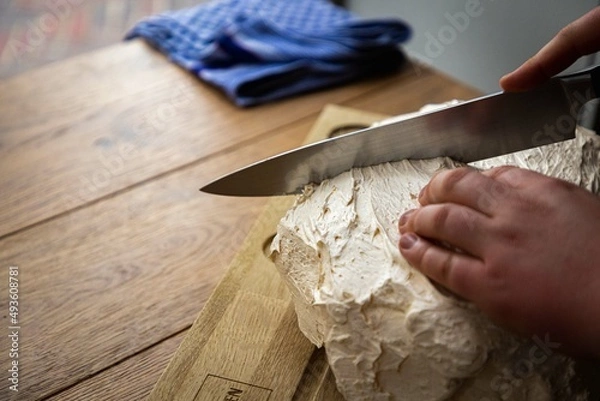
point(404, 217)
point(408, 240)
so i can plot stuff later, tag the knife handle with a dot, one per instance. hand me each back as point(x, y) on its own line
point(590, 75)
point(583, 90)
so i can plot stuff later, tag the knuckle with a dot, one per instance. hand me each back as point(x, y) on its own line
point(558, 186)
point(509, 236)
point(506, 179)
point(497, 172)
point(568, 35)
point(446, 267)
point(529, 205)
point(460, 281)
point(440, 217)
point(437, 267)
point(496, 297)
point(448, 181)
point(467, 223)
point(495, 273)
point(427, 260)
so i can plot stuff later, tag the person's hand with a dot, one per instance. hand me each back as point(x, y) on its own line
point(580, 38)
point(523, 247)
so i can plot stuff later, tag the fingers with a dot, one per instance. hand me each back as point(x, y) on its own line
point(458, 208)
point(580, 38)
point(460, 226)
point(468, 187)
point(460, 273)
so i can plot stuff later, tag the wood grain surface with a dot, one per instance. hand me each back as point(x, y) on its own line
point(120, 127)
point(131, 379)
point(246, 340)
point(101, 158)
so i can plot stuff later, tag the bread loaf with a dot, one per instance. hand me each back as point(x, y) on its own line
point(389, 332)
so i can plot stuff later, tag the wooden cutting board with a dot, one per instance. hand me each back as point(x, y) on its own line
point(245, 345)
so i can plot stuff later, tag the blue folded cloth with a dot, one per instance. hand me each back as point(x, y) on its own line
point(262, 50)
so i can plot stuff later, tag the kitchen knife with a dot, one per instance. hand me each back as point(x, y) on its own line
point(488, 126)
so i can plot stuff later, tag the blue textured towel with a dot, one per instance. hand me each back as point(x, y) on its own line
point(261, 50)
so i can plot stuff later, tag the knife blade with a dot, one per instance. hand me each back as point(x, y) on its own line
point(481, 128)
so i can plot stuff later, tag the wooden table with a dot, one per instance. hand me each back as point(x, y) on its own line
point(116, 250)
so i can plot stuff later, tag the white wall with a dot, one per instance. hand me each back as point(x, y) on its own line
point(478, 41)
